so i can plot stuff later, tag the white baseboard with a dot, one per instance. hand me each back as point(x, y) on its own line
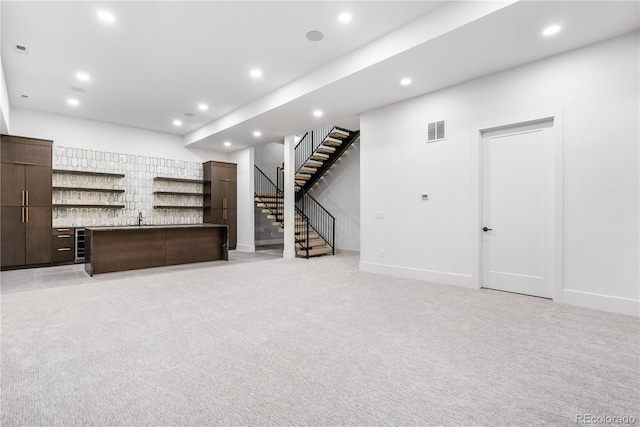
point(288, 254)
point(419, 274)
point(601, 302)
point(269, 242)
point(245, 248)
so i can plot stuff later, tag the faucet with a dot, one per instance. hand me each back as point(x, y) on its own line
point(139, 219)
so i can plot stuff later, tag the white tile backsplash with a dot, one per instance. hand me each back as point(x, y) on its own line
point(138, 184)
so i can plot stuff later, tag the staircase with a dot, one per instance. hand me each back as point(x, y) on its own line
point(317, 152)
point(314, 227)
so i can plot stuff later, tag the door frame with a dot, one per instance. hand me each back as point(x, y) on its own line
point(557, 116)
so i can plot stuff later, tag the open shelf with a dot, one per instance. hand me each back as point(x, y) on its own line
point(177, 207)
point(98, 190)
point(190, 181)
point(72, 172)
point(176, 193)
point(80, 205)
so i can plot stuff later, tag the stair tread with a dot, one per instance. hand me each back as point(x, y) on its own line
point(316, 251)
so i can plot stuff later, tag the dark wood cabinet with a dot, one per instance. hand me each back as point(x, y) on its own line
point(63, 242)
point(25, 201)
point(220, 197)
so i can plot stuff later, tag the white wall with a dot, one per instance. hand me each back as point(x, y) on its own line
point(73, 132)
point(268, 157)
point(597, 88)
point(5, 119)
point(245, 161)
point(339, 193)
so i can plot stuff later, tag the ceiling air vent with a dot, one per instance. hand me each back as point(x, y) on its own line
point(22, 49)
point(437, 131)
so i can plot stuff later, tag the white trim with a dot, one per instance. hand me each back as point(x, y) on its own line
point(463, 280)
point(602, 302)
point(476, 191)
point(288, 254)
point(279, 241)
point(245, 248)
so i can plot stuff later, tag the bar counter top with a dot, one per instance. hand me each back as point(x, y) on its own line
point(151, 227)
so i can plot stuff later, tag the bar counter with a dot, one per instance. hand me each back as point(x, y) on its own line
point(122, 248)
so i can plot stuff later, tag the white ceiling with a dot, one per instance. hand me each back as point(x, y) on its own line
point(162, 58)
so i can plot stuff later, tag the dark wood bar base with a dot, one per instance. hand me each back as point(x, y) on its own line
point(111, 249)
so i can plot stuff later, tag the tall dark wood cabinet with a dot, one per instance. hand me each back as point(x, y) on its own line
point(25, 201)
point(220, 197)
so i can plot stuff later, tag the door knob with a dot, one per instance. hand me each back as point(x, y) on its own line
point(487, 229)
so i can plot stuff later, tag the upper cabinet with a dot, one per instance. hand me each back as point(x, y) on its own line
point(25, 151)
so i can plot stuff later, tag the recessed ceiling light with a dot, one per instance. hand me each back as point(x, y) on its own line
point(107, 17)
point(83, 77)
point(73, 101)
point(344, 17)
point(256, 74)
point(203, 107)
point(315, 36)
point(317, 113)
point(405, 82)
point(177, 123)
point(189, 114)
point(227, 144)
point(77, 89)
point(257, 133)
point(551, 30)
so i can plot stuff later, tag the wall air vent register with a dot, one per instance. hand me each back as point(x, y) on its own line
point(437, 131)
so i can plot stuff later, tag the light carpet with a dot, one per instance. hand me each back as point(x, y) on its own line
point(308, 342)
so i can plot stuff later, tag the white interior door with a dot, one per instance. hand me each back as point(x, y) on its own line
point(517, 209)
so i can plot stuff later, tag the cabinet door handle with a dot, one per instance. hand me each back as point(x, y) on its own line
point(27, 204)
point(64, 249)
point(22, 198)
point(64, 236)
point(25, 163)
point(225, 180)
point(22, 211)
point(64, 229)
point(27, 209)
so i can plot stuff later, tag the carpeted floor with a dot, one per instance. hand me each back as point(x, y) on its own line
point(307, 342)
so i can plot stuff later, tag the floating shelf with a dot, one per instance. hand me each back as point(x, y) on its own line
point(97, 190)
point(177, 207)
point(113, 175)
point(71, 205)
point(190, 181)
point(176, 193)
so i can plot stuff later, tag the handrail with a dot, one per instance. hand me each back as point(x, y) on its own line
point(327, 164)
point(266, 191)
point(309, 143)
point(316, 217)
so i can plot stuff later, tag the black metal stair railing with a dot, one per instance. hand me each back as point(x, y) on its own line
point(333, 157)
point(309, 143)
point(314, 216)
point(269, 195)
